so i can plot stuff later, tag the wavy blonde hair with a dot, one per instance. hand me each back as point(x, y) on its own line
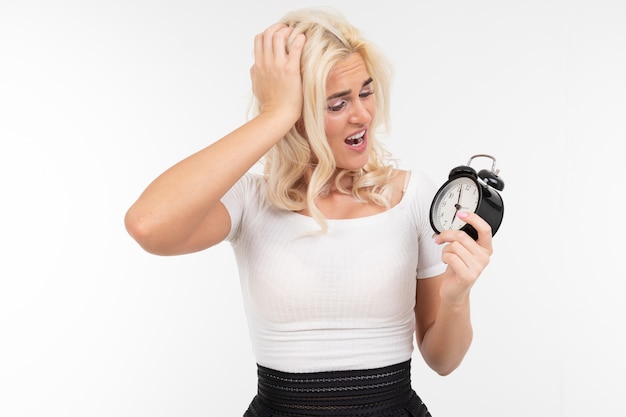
point(305, 150)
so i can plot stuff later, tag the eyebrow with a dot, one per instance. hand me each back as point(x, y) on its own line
point(346, 92)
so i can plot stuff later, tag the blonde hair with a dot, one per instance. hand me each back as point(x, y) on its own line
point(329, 39)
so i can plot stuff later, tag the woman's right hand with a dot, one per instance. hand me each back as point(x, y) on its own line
point(276, 78)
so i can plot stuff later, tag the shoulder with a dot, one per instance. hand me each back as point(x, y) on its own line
point(419, 191)
point(413, 182)
point(245, 199)
point(253, 179)
point(249, 190)
point(250, 184)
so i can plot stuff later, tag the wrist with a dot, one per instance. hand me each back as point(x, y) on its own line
point(274, 124)
point(459, 302)
point(285, 116)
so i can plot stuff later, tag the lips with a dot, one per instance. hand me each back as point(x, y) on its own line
point(356, 139)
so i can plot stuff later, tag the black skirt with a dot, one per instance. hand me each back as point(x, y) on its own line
point(381, 392)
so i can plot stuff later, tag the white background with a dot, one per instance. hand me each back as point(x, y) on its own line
point(97, 98)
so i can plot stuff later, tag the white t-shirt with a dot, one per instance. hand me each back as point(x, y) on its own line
point(335, 301)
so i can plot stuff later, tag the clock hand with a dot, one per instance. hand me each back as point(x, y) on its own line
point(457, 206)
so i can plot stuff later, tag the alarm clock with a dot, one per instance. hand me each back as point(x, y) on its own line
point(468, 191)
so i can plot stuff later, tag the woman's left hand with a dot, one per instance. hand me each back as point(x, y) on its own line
point(466, 258)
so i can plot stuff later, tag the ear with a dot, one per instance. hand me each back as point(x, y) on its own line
point(300, 128)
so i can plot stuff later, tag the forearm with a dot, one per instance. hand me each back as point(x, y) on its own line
point(177, 201)
point(448, 339)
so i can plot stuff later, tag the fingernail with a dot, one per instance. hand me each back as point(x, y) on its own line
point(462, 214)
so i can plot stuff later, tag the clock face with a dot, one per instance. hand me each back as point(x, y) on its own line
point(460, 194)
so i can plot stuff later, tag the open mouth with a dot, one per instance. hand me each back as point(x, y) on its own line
point(355, 140)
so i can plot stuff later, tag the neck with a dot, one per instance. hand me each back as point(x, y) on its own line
point(345, 182)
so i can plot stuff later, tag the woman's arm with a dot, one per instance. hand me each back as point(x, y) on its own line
point(180, 212)
point(442, 310)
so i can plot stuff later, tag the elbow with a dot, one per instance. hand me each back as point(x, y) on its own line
point(140, 230)
point(444, 369)
point(444, 362)
point(154, 237)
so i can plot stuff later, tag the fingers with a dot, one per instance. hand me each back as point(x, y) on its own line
point(466, 256)
point(263, 44)
point(275, 74)
point(481, 226)
point(463, 260)
point(274, 41)
point(295, 51)
point(272, 44)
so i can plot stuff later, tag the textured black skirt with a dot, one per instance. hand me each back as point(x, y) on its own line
point(381, 392)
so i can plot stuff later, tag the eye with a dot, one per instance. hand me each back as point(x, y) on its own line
point(336, 106)
point(366, 93)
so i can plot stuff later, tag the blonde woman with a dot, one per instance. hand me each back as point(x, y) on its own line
point(340, 271)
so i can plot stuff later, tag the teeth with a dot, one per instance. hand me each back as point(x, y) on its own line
point(355, 140)
point(357, 136)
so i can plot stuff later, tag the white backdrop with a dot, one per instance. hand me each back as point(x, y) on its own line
point(98, 97)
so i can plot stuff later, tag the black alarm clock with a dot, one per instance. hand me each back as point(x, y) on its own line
point(468, 191)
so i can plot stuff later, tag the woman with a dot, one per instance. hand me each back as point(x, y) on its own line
point(339, 267)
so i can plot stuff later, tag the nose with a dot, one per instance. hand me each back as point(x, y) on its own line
point(359, 113)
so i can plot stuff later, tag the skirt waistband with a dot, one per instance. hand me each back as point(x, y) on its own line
point(338, 393)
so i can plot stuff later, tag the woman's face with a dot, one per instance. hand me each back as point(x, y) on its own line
point(350, 108)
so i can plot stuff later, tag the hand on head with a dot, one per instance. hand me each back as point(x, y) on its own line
point(276, 79)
